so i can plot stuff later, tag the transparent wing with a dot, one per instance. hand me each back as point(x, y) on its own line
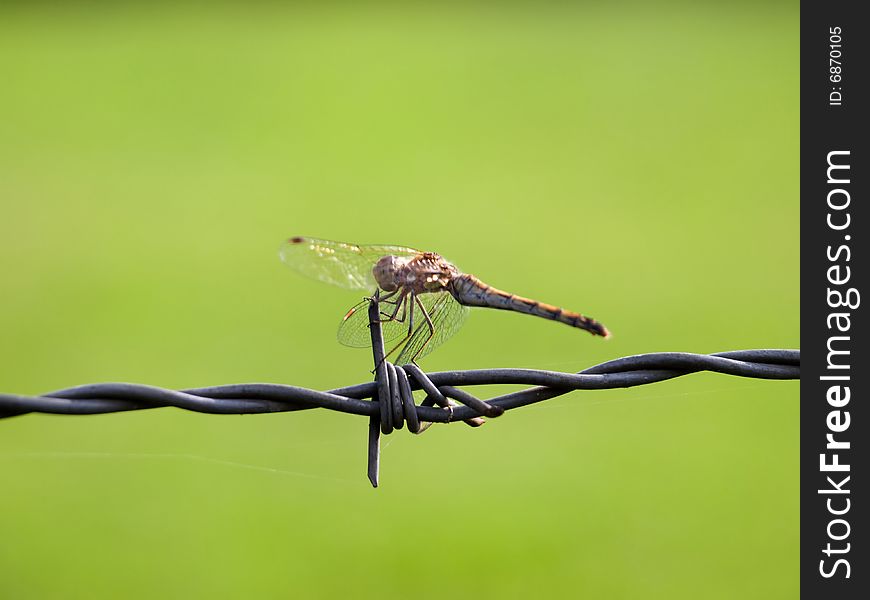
point(447, 317)
point(354, 328)
point(345, 265)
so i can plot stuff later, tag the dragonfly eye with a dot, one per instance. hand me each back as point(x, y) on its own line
point(386, 272)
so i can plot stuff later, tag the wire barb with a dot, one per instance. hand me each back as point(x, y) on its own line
point(388, 401)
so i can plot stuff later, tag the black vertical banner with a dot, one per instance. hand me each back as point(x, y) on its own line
point(835, 225)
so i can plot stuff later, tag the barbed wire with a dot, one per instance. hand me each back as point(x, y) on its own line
point(390, 403)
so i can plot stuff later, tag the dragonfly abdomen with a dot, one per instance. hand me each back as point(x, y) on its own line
point(471, 291)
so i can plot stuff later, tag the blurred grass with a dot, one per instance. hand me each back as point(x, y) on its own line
point(636, 163)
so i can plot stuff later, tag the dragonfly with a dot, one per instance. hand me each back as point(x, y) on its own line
point(423, 298)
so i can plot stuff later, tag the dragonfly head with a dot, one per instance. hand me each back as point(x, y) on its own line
point(386, 272)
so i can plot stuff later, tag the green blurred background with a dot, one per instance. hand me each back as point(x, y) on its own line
point(638, 163)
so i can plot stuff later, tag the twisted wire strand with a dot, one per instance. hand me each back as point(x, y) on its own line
point(391, 396)
point(250, 398)
point(391, 403)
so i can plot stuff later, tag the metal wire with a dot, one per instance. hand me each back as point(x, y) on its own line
point(391, 403)
point(248, 398)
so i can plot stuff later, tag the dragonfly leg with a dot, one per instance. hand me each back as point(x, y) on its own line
point(431, 329)
point(410, 315)
point(400, 303)
point(388, 298)
point(383, 299)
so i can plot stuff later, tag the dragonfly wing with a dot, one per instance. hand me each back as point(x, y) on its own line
point(345, 265)
point(447, 317)
point(354, 328)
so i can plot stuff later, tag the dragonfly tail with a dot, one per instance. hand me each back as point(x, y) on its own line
point(471, 291)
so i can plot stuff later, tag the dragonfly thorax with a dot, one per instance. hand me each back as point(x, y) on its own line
point(426, 272)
